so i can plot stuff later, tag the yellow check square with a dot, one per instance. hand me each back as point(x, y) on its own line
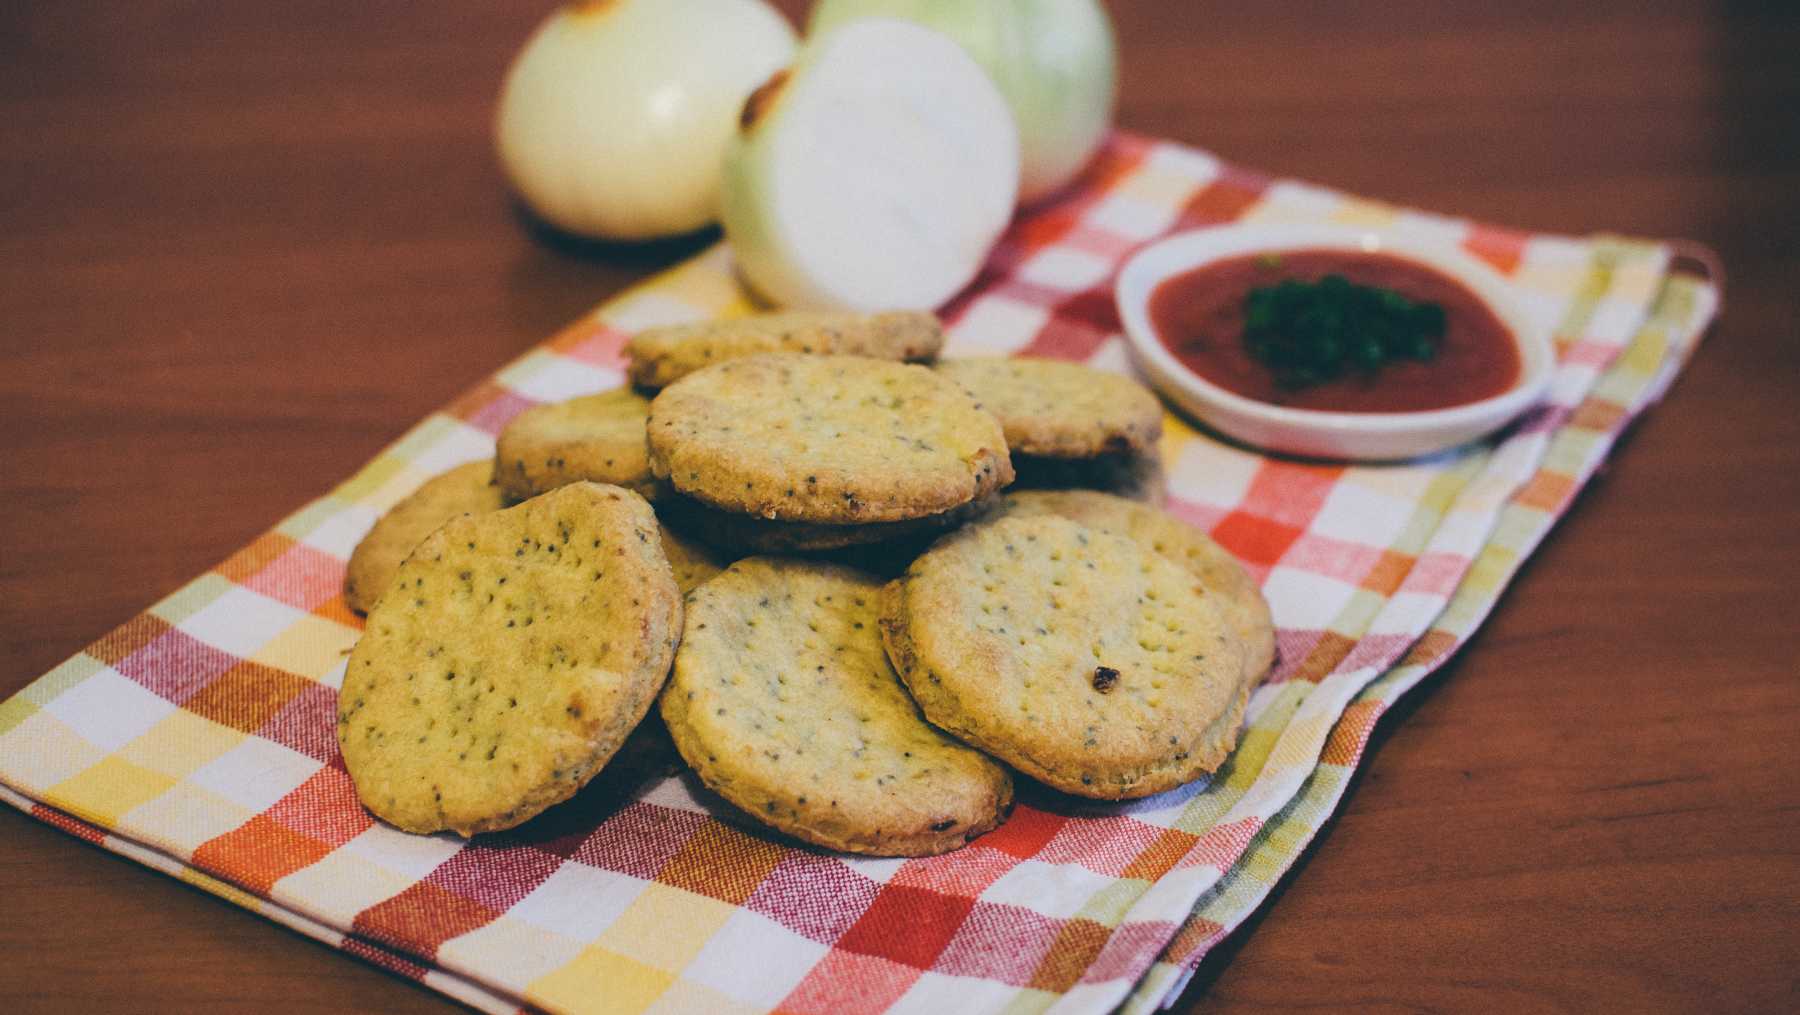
point(666, 926)
point(14, 711)
point(1108, 905)
point(102, 793)
point(379, 476)
point(41, 751)
point(600, 981)
point(310, 646)
point(1364, 213)
point(179, 744)
point(1157, 186)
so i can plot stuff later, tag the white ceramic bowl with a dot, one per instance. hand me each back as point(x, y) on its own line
point(1309, 432)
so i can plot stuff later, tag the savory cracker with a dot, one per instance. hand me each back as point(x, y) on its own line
point(694, 563)
point(646, 753)
point(599, 438)
point(1056, 409)
point(1219, 572)
point(512, 656)
point(784, 703)
point(838, 440)
point(1134, 476)
point(662, 356)
point(1079, 657)
point(746, 534)
point(466, 489)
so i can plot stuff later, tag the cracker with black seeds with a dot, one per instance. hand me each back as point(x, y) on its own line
point(1080, 657)
point(835, 440)
point(599, 438)
point(1220, 574)
point(646, 753)
point(784, 703)
point(508, 662)
point(746, 534)
point(1056, 409)
point(694, 563)
point(466, 489)
point(661, 356)
point(1137, 477)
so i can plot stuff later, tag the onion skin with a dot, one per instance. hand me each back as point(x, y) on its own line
point(614, 116)
point(1055, 61)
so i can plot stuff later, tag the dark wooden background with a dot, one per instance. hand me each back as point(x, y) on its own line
point(244, 245)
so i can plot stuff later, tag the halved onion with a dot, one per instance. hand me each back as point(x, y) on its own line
point(876, 173)
point(1056, 61)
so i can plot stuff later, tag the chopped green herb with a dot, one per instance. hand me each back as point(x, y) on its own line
point(1312, 332)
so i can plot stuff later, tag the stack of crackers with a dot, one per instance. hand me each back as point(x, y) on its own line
point(866, 590)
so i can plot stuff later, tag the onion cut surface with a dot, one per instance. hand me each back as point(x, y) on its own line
point(1055, 61)
point(875, 174)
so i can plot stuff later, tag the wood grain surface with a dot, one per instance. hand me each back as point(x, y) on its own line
point(243, 246)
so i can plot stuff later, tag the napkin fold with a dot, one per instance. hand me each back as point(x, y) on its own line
point(199, 738)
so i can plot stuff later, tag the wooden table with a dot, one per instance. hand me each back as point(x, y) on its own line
point(243, 246)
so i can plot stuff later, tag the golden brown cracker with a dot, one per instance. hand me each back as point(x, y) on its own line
point(510, 659)
point(693, 562)
point(661, 356)
point(1137, 477)
point(599, 438)
point(1078, 656)
point(784, 703)
point(466, 489)
point(745, 534)
point(1220, 574)
point(839, 440)
point(1056, 409)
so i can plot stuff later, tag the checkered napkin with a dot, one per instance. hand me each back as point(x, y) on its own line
point(198, 739)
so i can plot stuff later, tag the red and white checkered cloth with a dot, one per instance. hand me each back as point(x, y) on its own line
point(199, 737)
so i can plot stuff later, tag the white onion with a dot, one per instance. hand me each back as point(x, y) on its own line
point(1056, 61)
point(614, 116)
point(875, 174)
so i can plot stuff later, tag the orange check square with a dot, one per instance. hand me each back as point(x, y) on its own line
point(246, 696)
point(259, 853)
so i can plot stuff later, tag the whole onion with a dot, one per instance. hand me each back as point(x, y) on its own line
point(614, 116)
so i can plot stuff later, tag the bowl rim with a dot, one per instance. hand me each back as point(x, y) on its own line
point(1156, 262)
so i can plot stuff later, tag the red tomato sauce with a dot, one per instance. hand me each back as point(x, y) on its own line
point(1199, 316)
